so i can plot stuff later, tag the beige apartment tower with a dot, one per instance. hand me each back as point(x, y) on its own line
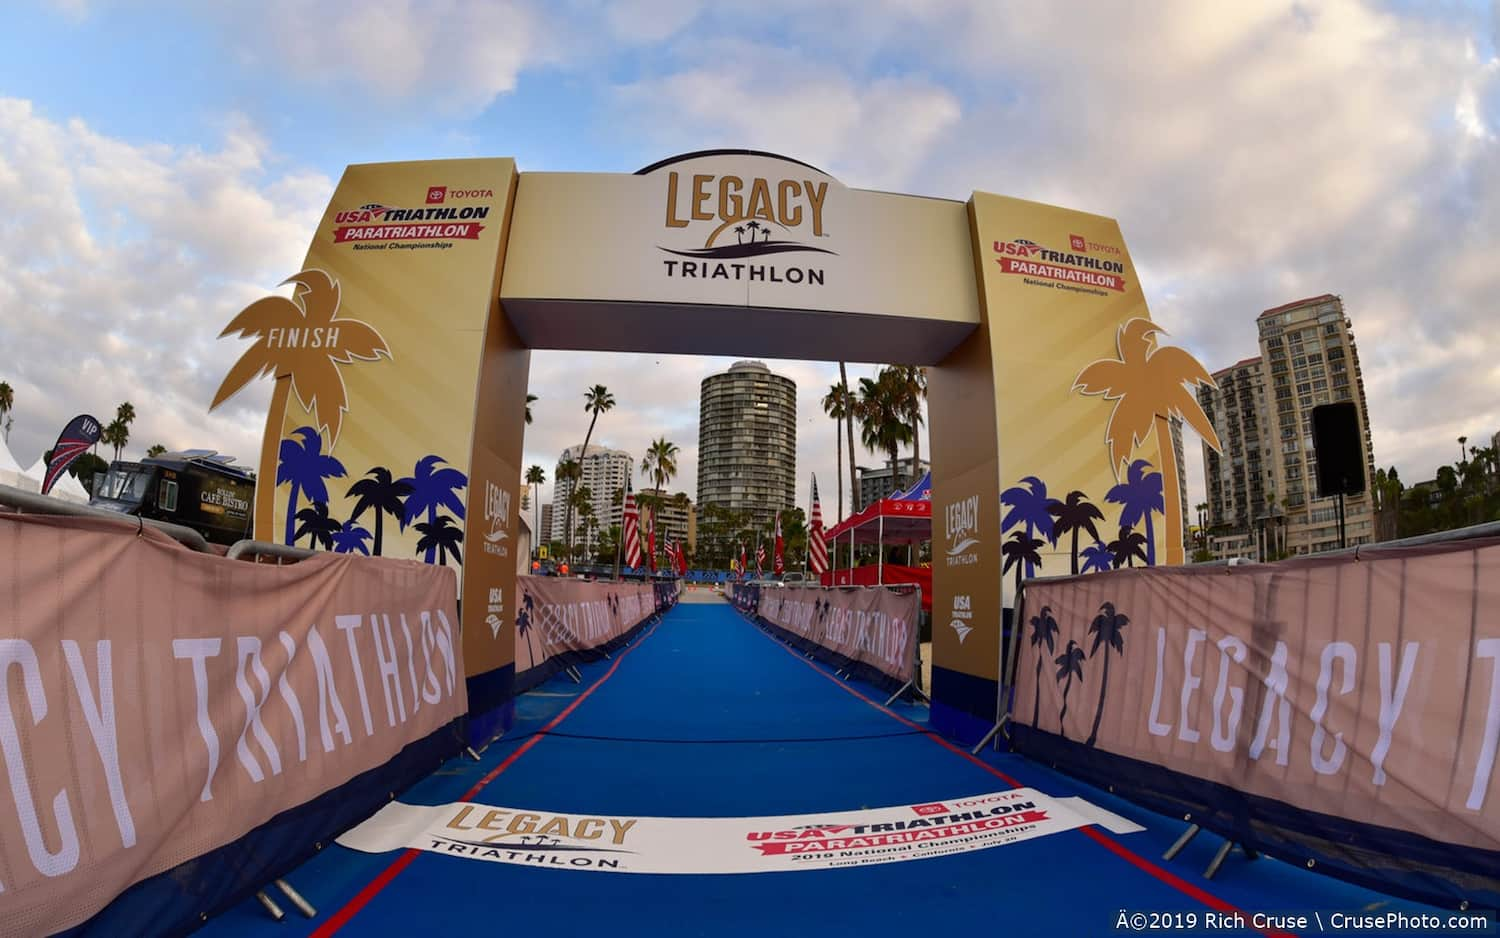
point(1263, 487)
point(747, 441)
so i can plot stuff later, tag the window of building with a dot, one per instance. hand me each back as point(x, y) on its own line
point(1305, 402)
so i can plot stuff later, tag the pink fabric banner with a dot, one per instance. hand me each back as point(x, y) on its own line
point(1366, 690)
point(875, 627)
point(559, 615)
point(157, 703)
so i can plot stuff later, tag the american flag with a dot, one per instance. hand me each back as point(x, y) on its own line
point(817, 548)
point(632, 529)
point(760, 559)
point(778, 564)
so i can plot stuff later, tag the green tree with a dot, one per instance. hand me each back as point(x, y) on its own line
point(596, 400)
point(882, 425)
point(156, 450)
point(536, 476)
point(7, 404)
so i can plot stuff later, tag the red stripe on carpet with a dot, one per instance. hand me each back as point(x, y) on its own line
point(1181, 885)
point(351, 908)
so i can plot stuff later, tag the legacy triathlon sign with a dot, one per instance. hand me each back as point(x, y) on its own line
point(743, 221)
point(717, 845)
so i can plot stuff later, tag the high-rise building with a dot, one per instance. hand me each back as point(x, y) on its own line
point(545, 522)
point(879, 483)
point(1264, 485)
point(677, 517)
point(604, 471)
point(747, 441)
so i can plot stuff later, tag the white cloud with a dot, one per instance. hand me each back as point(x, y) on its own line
point(123, 262)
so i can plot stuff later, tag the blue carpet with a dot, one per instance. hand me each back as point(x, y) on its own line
point(708, 716)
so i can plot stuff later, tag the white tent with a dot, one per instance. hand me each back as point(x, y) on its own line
point(67, 488)
point(12, 474)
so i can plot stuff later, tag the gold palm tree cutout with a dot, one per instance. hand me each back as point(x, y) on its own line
point(304, 339)
point(1150, 383)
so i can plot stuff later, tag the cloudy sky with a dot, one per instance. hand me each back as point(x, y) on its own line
point(163, 164)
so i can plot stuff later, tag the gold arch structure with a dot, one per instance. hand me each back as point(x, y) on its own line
point(461, 267)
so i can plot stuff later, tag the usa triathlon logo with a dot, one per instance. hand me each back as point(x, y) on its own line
point(1043, 266)
point(434, 222)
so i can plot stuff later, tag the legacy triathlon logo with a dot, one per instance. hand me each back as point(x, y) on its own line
point(961, 527)
point(376, 226)
point(497, 516)
point(534, 839)
point(1045, 267)
point(743, 222)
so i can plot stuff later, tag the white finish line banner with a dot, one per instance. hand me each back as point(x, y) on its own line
point(716, 845)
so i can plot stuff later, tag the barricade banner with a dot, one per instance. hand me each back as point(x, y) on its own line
point(1341, 714)
point(720, 845)
point(157, 704)
point(873, 628)
point(562, 621)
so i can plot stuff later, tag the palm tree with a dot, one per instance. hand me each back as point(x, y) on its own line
point(350, 539)
point(1031, 508)
point(836, 405)
point(1108, 629)
point(854, 504)
point(1461, 451)
point(1069, 665)
point(1043, 630)
point(536, 476)
point(440, 537)
point(7, 403)
point(579, 500)
point(317, 526)
point(1128, 546)
point(1149, 384)
point(125, 413)
point(116, 434)
point(431, 489)
point(739, 234)
point(596, 400)
point(524, 622)
point(880, 412)
point(1019, 551)
point(569, 471)
point(1076, 514)
point(530, 399)
point(660, 462)
point(912, 382)
point(314, 372)
point(1097, 558)
point(1138, 496)
point(383, 495)
point(302, 464)
point(156, 450)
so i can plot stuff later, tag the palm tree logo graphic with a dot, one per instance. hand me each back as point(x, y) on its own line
point(305, 339)
point(1149, 384)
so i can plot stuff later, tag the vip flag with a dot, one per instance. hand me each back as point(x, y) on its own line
point(632, 530)
point(778, 566)
point(81, 432)
point(817, 550)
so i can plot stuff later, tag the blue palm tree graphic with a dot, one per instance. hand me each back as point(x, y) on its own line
point(1032, 509)
point(1097, 558)
point(1138, 497)
point(433, 488)
point(303, 464)
point(350, 539)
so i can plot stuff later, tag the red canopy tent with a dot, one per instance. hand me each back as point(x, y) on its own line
point(904, 518)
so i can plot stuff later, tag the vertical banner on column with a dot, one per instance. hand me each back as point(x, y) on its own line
point(371, 442)
point(1089, 479)
point(966, 561)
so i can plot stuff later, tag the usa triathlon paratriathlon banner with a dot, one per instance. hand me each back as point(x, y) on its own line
point(872, 627)
point(156, 703)
point(1341, 714)
point(559, 620)
point(716, 845)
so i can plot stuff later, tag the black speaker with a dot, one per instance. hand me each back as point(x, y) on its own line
point(1340, 449)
